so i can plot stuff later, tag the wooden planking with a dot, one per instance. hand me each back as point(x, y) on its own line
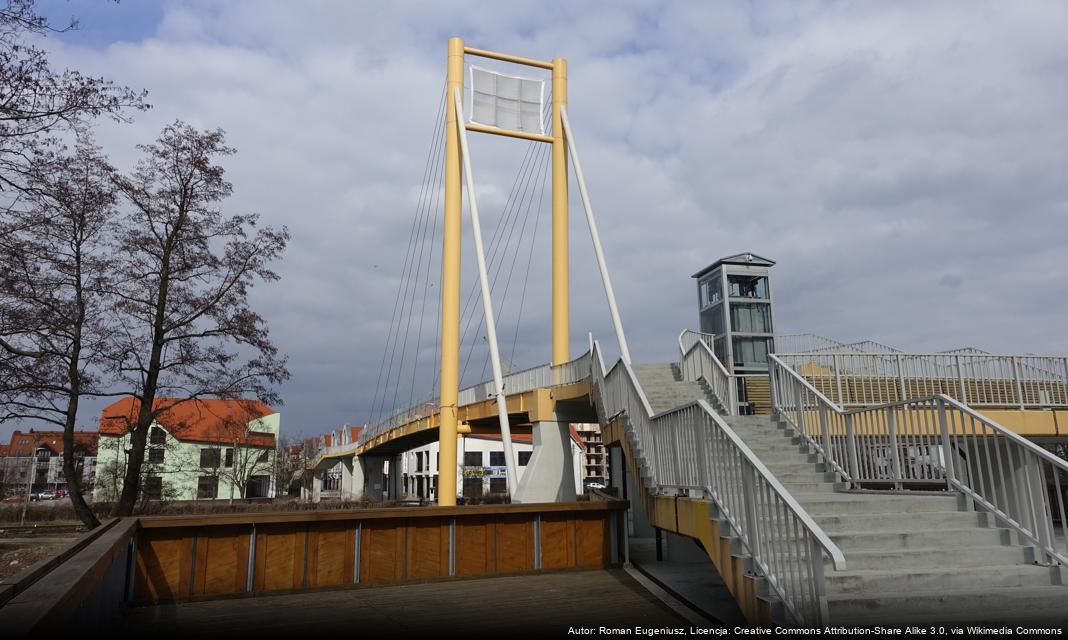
point(280, 557)
point(164, 566)
point(428, 549)
point(514, 537)
point(221, 560)
point(591, 535)
point(382, 551)
point(203, 561)
point(557, 542)
point(331, 554)
point(474, 546)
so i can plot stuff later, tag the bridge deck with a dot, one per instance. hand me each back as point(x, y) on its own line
point(522, 606)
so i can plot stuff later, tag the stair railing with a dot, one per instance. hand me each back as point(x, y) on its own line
point(698, 362)
point(929, 442)
point(691, 448)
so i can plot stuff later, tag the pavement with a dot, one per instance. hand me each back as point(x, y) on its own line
point(695, 582)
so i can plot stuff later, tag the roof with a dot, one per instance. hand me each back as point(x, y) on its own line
point(748, 258)
point(51, 440)
point(199, 420)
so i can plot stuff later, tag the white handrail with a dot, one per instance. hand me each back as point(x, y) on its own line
point(931, 440)
point(692, 448)
point(698, 362)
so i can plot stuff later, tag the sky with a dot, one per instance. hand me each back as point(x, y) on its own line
point(903, 163)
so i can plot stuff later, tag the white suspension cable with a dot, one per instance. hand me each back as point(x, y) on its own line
point(624, 352)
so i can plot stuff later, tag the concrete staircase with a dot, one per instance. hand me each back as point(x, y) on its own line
point(912, 558)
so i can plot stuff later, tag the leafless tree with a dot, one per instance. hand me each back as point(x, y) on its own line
point(38, 104)
point(53, 205)
point(288, 461)
point(185, 328)
point(55, 258)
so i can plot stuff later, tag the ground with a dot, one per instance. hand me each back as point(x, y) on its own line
point(543, 605)
point(21, 547)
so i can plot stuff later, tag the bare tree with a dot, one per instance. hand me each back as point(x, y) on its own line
point(185, 328)
point(55, 258)
point(39, 104)
point(288, 461)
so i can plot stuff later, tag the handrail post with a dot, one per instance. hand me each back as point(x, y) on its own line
point(947, 447)
point(1016, 377)
point(799, 391)
point(838, 378)
point(901, 378)
point(1040, 524)
point(819, 590)
point(749, 496)
point(825, 428)
point(773, 387)
point(851, 441)
point(960, 377)
point(895, 455)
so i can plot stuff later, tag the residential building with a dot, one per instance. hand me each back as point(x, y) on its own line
point(198, 449)
point(594, 470)
point(42, 452)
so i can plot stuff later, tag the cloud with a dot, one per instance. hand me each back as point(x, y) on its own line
point(903, 162)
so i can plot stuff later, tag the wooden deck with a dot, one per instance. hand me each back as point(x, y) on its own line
point(542, 605)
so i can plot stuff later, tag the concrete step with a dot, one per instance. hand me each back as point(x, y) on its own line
point(860, 503)
point(895, 522)
point(879, 607)
point(932, 539)
point(933, 579)
point(790, 477)
point(902, 559)
point(796, 488)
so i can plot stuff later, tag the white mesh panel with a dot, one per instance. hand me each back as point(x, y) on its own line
point(507, 102)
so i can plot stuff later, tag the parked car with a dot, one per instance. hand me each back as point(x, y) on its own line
point(48, 495)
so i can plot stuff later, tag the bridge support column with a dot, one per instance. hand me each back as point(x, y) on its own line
point(317, 485)
point(396, 477)
point(374, 477)
point(352, 478)
point(550, 474)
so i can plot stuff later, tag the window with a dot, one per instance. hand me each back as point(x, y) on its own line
point(712, 320)
point(472, 459)
point(524, 458)
point(742, 286)
point(751, 318)
point(157, 436)
point(710, 291)
point(153, 487)
point(418, 461)
point(207, 486)
point(496, 458)
point(209, 458)
point(155, 455)
point(472, 487)
point(257, 487)
point(751, 352)
point(229, 458)
point(498, 485)
point(264, 455)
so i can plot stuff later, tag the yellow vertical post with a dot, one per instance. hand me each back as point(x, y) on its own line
point(561, 262)
point(450, 284)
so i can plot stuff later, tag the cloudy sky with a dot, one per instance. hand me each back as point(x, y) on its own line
point(904, 163)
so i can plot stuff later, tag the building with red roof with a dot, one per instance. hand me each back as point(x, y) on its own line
point(198, 449)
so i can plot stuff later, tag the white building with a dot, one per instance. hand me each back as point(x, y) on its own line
point(480, 468)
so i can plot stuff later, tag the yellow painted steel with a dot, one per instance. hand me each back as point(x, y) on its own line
point(509, 133)
point(507, 57)
point(450, 283)
point(561, 351)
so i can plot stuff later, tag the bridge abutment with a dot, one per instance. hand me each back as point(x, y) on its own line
point(550, 474)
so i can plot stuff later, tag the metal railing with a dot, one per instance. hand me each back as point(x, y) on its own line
point(976, 379)
point(698, 362)
point(691, 448)
point(932, 440)
point(519, 382)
